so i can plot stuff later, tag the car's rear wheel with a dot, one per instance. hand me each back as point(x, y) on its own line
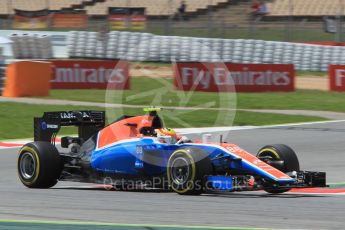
point(187, 169)
point(39, 165)
point(279, 152)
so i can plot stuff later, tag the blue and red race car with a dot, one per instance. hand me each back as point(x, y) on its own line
point(130, 154)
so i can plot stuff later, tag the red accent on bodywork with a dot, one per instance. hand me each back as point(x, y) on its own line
point(120, 131)
point(255, 161)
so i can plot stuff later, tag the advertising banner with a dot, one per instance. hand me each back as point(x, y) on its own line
point(87, 74)
point(69, 20)
point(31, 19)
point(127, 18)
point(228, 77)
point(336, 75)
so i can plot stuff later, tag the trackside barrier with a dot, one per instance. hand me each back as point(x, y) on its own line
point(27, 78)
point(31, 46)
point(230, 77)
point(134, 46)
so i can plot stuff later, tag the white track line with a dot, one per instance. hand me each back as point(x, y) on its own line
point(239, 128)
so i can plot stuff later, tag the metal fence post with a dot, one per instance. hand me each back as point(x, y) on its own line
point(341, 20)
point(338, 20)
point(168, 22)
point(288, 34)
point(210, 19)
point(338, 29)
point(223, 29)
point(2, 77)
point(252, 27)
point(10, 9)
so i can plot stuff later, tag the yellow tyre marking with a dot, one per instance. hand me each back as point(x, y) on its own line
point(189, 184)
point(37, 159)
point(274, 152)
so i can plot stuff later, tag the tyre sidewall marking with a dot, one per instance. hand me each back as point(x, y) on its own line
point(37, 161)
point(273, 151)
point(189, 183)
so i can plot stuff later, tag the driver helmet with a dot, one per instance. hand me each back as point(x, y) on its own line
point(166, 135)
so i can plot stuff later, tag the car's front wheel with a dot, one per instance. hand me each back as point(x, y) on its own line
point(187, 169)
point(39, 165)
point(283, 153)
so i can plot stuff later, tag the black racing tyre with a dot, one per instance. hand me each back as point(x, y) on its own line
point(186, 171)
point(39, 165)
point(283, 153)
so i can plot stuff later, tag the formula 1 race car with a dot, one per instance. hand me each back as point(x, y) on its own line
point(129, 154)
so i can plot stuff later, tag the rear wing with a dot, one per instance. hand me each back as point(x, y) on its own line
point(88, 123)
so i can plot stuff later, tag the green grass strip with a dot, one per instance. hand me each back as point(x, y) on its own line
point(45, 224)
point(16, 119)
point(337, 185)
point(160, 92)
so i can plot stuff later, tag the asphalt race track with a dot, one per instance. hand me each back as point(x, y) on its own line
point(319, 146)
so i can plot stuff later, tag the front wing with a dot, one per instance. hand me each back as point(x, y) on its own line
point(303, 179)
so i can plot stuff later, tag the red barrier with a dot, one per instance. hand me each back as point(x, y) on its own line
point(87, 74)
point(336, 75)
point(326, 43)
point(220, 77)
